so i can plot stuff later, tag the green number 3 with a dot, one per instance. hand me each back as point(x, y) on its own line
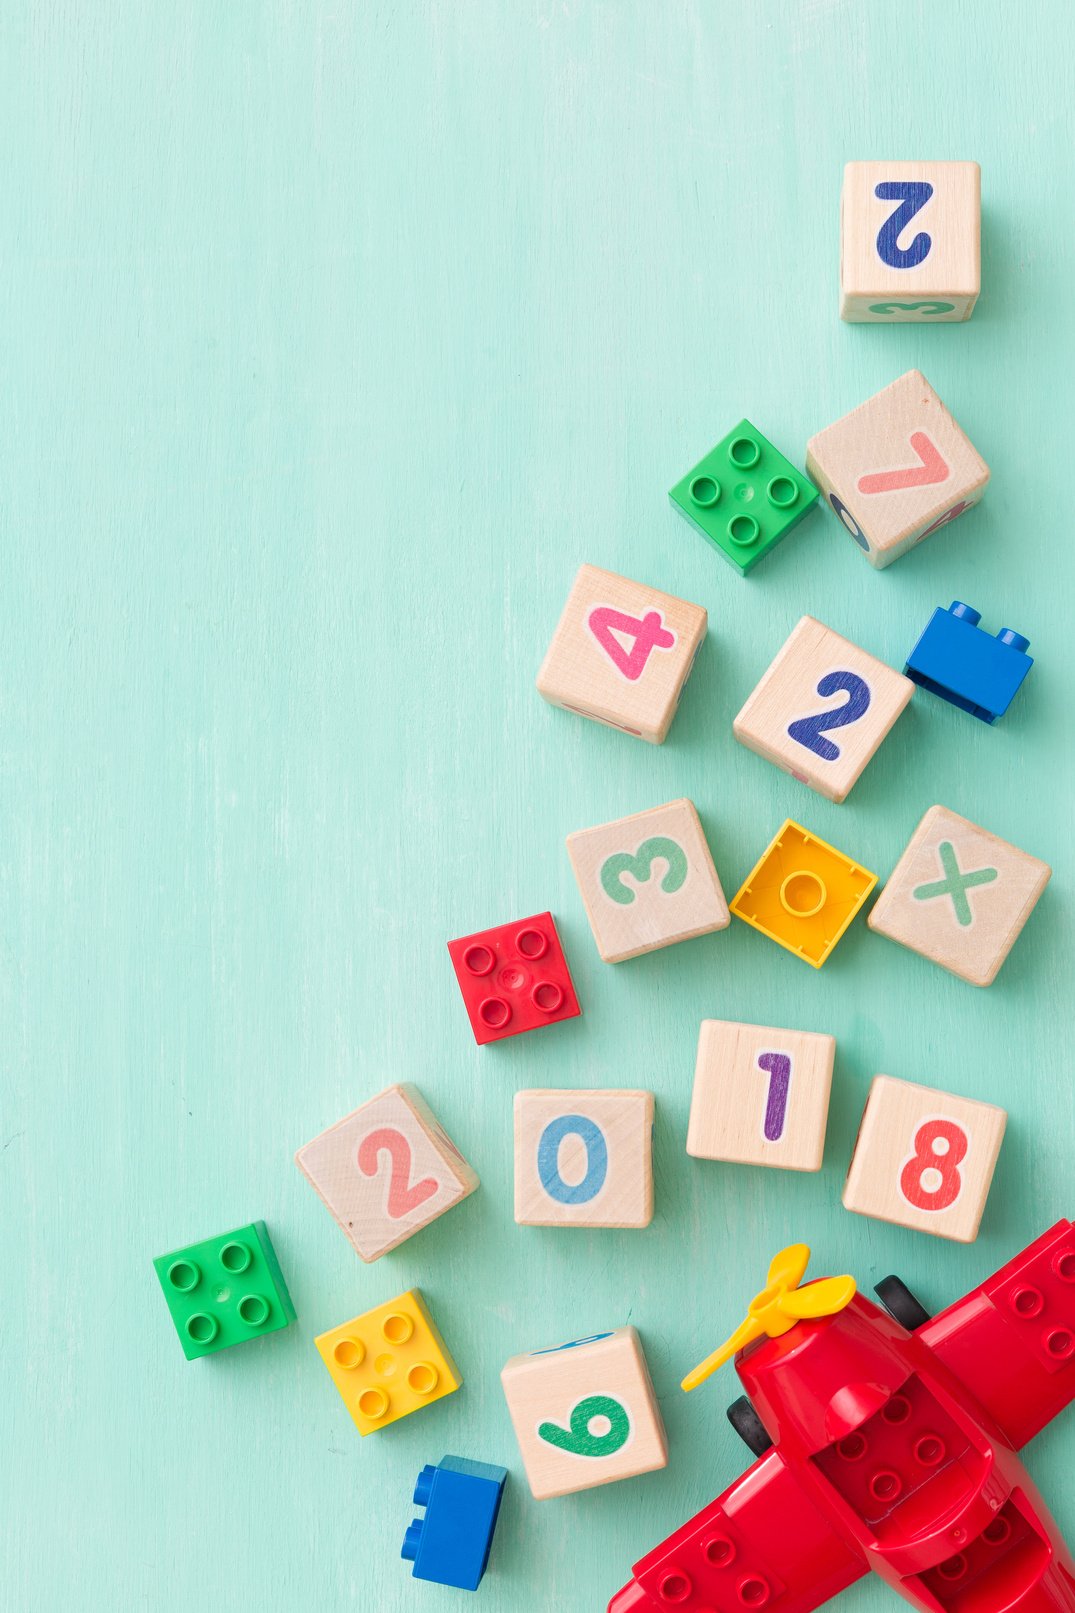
point(641, 866)
point(579, 1439)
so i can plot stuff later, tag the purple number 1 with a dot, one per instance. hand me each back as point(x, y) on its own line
point(777, 1067)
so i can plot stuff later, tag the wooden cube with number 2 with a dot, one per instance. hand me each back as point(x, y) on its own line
point(584, 1413)
point(822, 709)
point(924, 1159)
point(761, 1096)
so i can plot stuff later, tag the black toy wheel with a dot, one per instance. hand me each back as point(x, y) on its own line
point(749, 1426)
point(900, 1303)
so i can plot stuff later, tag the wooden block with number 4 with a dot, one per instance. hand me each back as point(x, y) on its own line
point(822, 709)
point(896, 469)
point(910, 241)
point(386, 1171)
point(924, 1159)
point(584, 1413)
point(761, 1096)
point(583, 1159)
point(622, 653)
point(648, 881)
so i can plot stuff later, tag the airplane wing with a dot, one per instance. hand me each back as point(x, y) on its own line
point(762, 1544)
point(1012, 1340)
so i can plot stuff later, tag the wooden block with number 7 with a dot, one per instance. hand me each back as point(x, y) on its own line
point(924, 1159)
point(822, 709)
point(386, 1171)
point(622, 653)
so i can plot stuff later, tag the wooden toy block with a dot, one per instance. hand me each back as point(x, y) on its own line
point(388, 1362)
point(924, 1159)
point(897, 468)
point(622, 653)
point(386, 1171)
point(584, 1413)
point(822, 709)
point(910, 241)
point(761, 1096)
point(960, 896)
point(648, 881)
point(802, 893)
point(582, 1159)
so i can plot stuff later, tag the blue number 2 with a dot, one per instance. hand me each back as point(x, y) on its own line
point(811, 731)
point(548, 1159)
point(912, 195)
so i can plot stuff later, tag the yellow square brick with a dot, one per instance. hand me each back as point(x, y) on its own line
point(389, 1362)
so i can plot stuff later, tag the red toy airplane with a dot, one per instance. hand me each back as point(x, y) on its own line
point(884, 1441)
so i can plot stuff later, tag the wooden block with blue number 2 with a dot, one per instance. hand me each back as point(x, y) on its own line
point(910, 242)
point(822, 709)
point(583, 1158)
point(584, 1413)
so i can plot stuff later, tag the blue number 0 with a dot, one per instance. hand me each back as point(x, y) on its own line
point(811, 731)
point(912, 195)
point(548, 1159)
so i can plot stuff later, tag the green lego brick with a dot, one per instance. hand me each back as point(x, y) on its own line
point(225, 1290)
point(744, 497)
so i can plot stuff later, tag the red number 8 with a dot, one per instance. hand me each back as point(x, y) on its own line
point(944, 1159)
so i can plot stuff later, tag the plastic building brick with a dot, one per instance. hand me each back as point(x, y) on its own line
point(967, 667)
point(744, 497)
point(389, 1362)
point(803, 893)
point(514, 978)
point(225, 1290)
point(450, 1545)
point(885, 1440)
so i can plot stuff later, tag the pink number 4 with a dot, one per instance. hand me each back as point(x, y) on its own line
point(648, 632)
point(403, 1196)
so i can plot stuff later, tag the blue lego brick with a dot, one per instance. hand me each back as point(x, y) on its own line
point(462, 1500)
point(967, 667)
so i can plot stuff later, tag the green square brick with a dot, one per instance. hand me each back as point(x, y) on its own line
point(744, 497)
point(225, 1290)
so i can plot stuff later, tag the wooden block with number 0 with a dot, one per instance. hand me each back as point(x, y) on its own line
point(386, 1171)
point(896, 469)
point(924, 1159)
point(622, 653)
point(584, 1413)
point(583, 1158)
point(910, 241)
point(822, 709)
point(648, 881)
point(761, 1096)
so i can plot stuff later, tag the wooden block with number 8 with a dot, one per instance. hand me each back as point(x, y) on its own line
point(761, 1096)
point(622, 653)
point(896, 469)
point(924, 1159)
point(822, 709)
point(584, 1413)
point(386, 1171)
point(910, 241)
point(583, 1159)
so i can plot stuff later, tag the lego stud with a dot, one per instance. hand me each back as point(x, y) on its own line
point(997, 1533)
point(184, 1275)
point(548, 997)
point(704, 491)
point(885, 1485)
point(1013, 640)
point(423, 1378)
point(495, 1013)
point(235, 1257)
point(953, 1567)
point(852, 1448)
point(349, 1353)
point(718, 1550)
point(965, 613)
point(412, 1540)
point(803, 894)
point(202, 1329)
point(744, 452)
point(897, 1410)
point(930, 1450)
point(397, 1327)
point(479, 960)
point(1064, 1265)
point(254, 1310)
point(373, 1403)
point(423, 1487)
point(675, 1588)
point(1027, 1301)
point(752, 1590)
point(782, 492)
point(743, 531)
point(1060, 1344)
point(532, 943)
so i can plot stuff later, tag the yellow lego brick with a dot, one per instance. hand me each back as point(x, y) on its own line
point(803, 893)
point(389, 1362)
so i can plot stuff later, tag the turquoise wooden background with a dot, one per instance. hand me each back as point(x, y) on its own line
point(335, 336)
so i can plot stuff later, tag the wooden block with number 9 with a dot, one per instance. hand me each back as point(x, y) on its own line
point(584, 1413)
point(924, 1159)
point(822, 709)
point(386, 1171)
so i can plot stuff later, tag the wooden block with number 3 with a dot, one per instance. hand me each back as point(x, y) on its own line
point(761, 1096)
point(583, 1159)
point(386, 1171)
point(648, 881)
point(622, 653)
point(896, 469)
point(822, 709)
point(924, 1159)
point(584, 1413)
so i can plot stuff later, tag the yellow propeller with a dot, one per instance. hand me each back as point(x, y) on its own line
point(778, 1307)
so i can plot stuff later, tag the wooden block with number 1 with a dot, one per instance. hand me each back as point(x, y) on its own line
point(583, 1159)
point(386, 1171)
point(822, 709)
point(761, 1096)
point(924, 1159)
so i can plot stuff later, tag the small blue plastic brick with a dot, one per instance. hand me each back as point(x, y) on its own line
point(966, 667)
point(462, 1500)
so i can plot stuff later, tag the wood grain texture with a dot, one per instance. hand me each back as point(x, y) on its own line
point(336, 338)
point(583, 1159)
point(761, 1096)
point(876, 291)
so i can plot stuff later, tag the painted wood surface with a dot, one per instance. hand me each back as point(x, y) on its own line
point(336, 338)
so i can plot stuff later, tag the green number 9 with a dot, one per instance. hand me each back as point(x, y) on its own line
point(580, 1439)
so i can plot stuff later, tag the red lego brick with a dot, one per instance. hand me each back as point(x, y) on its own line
point(514, 978)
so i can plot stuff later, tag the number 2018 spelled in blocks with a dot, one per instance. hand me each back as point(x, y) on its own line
point(822, 709)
